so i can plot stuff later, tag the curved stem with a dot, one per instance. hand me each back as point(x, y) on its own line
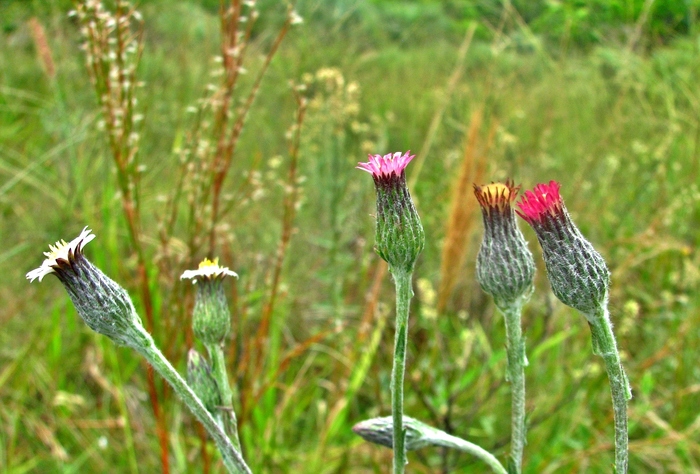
point(605, 346)
point(419, 435)
point(440, 438)
point(232, 457)
point(515, 374)
point(404, 292)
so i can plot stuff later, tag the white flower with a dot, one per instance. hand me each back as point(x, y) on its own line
point(295, 18)
point(61, 251)
point(208, 270)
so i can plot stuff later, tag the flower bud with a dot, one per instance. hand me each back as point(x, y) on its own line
point(380, 431)
point(505, 268)
point(211, 319)
point(104, 305)
point(577, 273)
point(399, 233)
point(202, 381)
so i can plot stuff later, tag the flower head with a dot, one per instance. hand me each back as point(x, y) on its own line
point(387, 165)
point(61, 253)
point(400, 237)
point(542, 201)
point(576, 271)
point(211, 319)
point(104, 305)
point(505, 268)
point(208, 270)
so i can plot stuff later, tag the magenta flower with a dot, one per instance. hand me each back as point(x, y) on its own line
point(544, 199)
point(399, 240)
point(387, 165)
point(576, 271)
point(580, 279)
point(399, 233)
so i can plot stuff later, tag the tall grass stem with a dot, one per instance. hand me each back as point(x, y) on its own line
point(124, 411)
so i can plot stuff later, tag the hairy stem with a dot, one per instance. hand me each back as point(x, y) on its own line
point(231, 456)
point(216, 354)
point(605, 346)
point(404, 292)
point(515, 374)
point(440, 438)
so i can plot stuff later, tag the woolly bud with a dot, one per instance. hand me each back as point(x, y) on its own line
point(202, 381)
point(399, 233)
point(211, 319)
point(380, 431)
point(104, 305)
point(505, 268)
point(577, 273)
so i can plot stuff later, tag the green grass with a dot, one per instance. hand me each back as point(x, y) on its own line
point(619, 129)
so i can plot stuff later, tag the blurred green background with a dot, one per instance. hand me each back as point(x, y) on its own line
point(602, 96)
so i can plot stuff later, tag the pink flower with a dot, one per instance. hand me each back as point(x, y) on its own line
point(576, 271)
point(536, 204)
point(400, 237)
point(385, 166)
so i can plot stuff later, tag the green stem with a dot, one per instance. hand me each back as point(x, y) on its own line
point(440, 438)
point(515, 374)
point(232, 457)
point(216, 354)
point(404, 292)
point(605, 346)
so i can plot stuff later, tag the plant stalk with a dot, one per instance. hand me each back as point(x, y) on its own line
point(440, 438)
point(404, 292)
point(515, 375)
point(231, 456)
point(605, 346)
point(216, 354)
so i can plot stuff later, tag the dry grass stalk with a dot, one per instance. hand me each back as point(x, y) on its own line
point(113, 43)
point(462, 208)
point(440, 112)
point(46, 435)
point(42, 47)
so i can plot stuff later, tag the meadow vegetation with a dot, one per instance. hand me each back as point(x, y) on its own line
point(609, 106)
